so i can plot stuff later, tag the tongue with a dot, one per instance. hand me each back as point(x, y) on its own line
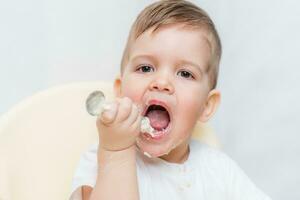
point(159, 119)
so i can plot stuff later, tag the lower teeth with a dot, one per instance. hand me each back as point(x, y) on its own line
point(157, 132)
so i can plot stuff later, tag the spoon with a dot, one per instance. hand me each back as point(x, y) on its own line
point(96, 104)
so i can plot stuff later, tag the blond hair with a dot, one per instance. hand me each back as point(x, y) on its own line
point(166, 12)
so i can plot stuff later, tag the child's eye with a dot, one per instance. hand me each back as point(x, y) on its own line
point(145, 68)
point(185, 74)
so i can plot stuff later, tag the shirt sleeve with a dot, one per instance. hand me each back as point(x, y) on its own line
point(86, 172)
point(239, 184)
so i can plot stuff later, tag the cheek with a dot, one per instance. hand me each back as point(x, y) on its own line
point(194, 105)
point(191, 106)
point(132, 90)
point(190, 97)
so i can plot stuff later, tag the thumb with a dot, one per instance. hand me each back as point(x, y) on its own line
point(109, 113)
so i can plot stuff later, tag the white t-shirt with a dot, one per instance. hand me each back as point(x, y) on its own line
point(207, 174)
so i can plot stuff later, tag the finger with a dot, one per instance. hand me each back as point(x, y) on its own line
point(133, 115)
point(109, 114)
point(124, 111)
point(137, 124)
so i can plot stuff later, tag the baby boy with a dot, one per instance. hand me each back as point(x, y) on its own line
point(169, 74)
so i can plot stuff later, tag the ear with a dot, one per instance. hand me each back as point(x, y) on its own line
point(117, 86)
point(212, 103)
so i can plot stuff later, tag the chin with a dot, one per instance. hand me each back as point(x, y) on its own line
point(156, 148)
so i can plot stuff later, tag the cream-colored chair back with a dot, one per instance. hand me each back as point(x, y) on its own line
point(42, 138)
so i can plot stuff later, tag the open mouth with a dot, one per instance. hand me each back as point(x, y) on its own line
point(160, 120)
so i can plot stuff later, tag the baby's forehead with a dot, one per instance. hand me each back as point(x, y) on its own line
point(179, 35)
point(168, 30)
point(184, 44)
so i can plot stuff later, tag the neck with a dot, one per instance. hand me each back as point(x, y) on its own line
point(178, 155)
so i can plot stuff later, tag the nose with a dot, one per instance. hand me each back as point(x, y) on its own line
point(162, 83)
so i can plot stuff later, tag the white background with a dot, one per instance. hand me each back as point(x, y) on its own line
point(50, 42)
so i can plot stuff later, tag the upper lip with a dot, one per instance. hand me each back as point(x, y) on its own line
point(157, 102)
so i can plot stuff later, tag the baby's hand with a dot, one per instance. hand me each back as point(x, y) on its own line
point(119, 126)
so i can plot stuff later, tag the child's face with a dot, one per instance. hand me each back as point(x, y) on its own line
point(168, 67)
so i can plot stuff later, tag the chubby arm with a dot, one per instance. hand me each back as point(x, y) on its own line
point(117, 176)
point(86, 192)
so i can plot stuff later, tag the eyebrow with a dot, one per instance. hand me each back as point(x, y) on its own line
point(149, 57)
point(186, 62)
point(181, 62)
